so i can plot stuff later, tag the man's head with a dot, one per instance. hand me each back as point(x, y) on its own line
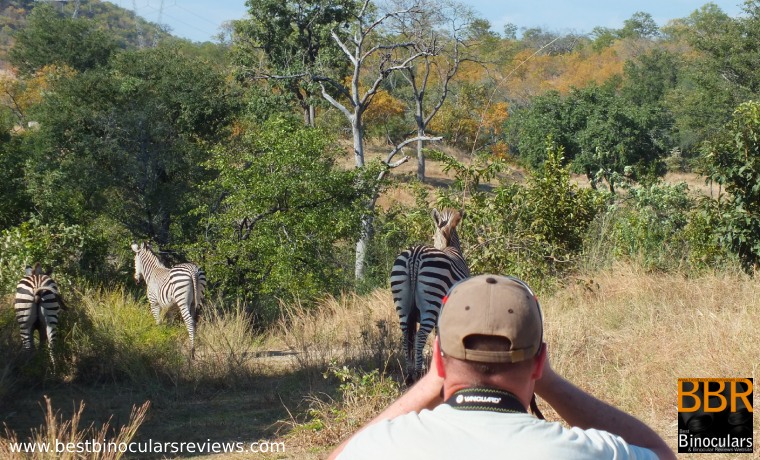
point(490, 325)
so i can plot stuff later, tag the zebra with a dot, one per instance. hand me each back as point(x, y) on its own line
point(37, 303)
point(182, 285)
point(420, 278)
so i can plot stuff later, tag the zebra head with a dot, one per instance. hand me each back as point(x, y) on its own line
point(139, 250)
point(446, 222)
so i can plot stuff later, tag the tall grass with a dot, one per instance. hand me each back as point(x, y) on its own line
point(113, 337)
point(65, 439)
point(624, 334)
point(108, 336)
point(347, 328)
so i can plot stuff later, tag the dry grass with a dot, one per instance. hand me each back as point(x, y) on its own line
point(627, 336)
point(64, 439)
point(624, 335)
point(342, 329)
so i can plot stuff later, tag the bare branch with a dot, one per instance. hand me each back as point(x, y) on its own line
point(335, 103)
point(409, 141)
point(343, 47)
point(341, 89)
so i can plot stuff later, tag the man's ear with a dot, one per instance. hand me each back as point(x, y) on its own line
point(438, 357)
point(538, 363)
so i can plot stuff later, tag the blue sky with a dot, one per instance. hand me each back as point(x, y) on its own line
point(199, 20)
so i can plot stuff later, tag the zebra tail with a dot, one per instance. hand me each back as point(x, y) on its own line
point(196, 295)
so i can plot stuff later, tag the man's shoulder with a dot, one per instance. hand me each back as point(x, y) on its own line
point(445, 431)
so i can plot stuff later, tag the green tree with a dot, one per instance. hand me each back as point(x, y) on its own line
point(719, 75)
point(51, 38)
point(732, 159)
point(639, 25)
point(14, 202)
point(604, 135)
point(128, 141)
point(616, 137)
point(546, 117)
point(294, 36)
point(284, 215)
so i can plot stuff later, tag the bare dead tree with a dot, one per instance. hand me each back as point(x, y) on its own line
point(374, 53)
point(440, 34)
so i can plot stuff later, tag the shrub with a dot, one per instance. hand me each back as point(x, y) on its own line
point(534, 231)
point(70, 250)
point(732, 159)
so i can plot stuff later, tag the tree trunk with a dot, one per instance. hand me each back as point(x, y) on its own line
point(420, 158)
point(420, 133)
point(361, 247)
point(357, 130)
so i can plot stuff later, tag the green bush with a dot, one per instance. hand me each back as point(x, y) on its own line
point(285, 212)
point(732, 159)
point(533, 231)
point(70, 250)
point(659, 226)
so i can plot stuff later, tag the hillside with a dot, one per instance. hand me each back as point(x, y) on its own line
point(130, 30)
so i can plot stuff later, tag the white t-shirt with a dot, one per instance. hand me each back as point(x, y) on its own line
point(448, 433)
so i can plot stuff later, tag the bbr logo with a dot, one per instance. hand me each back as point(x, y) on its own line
point(696, 394)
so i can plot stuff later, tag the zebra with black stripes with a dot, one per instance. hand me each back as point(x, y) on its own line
point(37, 303)
point(182, 285)
point(421, 277)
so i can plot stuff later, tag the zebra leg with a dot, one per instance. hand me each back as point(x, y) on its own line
point(403, 298)
point(47, 334)
point(409, 332)
point(420, 364)
point(188, 316)
point(156, 310)
point(27, 313)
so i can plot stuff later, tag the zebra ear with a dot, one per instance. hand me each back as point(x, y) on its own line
point(135, 247)
point(37, 269)
point(436, 217)
point(28, 271)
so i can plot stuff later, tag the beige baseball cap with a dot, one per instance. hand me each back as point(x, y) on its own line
point(491, 305)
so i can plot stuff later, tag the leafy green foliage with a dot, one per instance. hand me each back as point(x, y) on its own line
point(732, 159)
point(50, 38)
point(652, 229)
point(127, 142)
point(284, 214)
point(70, 250)
point(13, 197)
point(295, 37)
point(533, 231)
point(605, 136)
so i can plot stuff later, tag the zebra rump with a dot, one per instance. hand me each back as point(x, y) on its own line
point(37, 303)
point(420, 278)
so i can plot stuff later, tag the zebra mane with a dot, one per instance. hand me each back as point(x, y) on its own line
point(152, 255)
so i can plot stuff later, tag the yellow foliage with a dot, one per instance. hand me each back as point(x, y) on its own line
point(383, 107)
point(19, 95)
point(529, 75)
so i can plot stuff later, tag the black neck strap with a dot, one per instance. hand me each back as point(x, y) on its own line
point(487, 399)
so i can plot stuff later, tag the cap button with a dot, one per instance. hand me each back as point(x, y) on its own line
point(490, 280)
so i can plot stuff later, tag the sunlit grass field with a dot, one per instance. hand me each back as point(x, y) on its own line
point(306, 382)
